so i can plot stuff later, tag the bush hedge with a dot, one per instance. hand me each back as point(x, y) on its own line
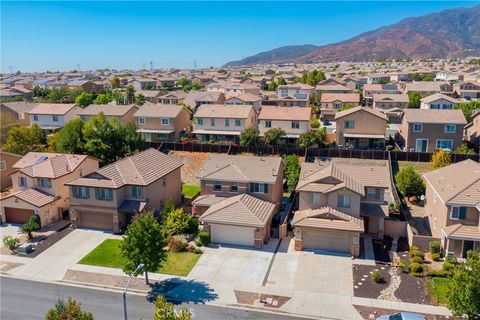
point(204, 238)
point(434, 246)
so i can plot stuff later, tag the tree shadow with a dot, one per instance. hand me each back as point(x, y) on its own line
point(178, 290)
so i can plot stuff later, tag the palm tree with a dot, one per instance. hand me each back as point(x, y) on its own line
point(28, 229)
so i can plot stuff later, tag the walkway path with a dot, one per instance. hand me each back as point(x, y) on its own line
point(389, 292)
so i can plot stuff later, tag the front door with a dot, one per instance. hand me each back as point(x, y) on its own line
point(467, 246)
point(421, 145)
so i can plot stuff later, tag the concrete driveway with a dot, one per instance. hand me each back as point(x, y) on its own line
point(10, 229)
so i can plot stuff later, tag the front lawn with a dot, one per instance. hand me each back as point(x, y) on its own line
point(108, 254)
point(189, 190)
point(438, 288)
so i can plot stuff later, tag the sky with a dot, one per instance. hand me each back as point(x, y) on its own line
point(41, 35)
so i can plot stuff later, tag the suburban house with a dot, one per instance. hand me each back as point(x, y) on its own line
point(427, 88)
point(371, 89)
point(340, 199)
point(334, 101)
point(239, 197)
point(331, 87)
point(428, 130)
point(144, 84)
point(235, 88)
point(38, 186)
point(174, 97)
point(149, 95)
point(194, 99)
point(53, 116)
point(17, 111)
point(123, 113)
point(85, 85)
point(223, 123)
point(293, 120)
point(438, 101)
point(467, 90)
point(160, 122)
point(109, 197)
point(7, 160)
point(245, 99)
point(453, 206)
point(361, 128)
point(387, 101)
point(472, 129)
point(297, 94)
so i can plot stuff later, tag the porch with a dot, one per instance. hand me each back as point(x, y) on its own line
point(364, 141)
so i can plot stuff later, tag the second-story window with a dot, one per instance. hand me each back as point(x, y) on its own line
point(238, 123)
point(258, 187)
point(200, 121)
point(35, 117)
point(55, 118)
point(458, 213)
point(227, 123)
point(82, 192)
point(233, 187)
point(450, 128)
point(104, 194)
point(45, 183)
point(315, 197)
point(165, 121)
point(217, 186)
point(268, 124)
point(212, 122)
point(141, 120)
point(137, 191)
point(373, 193)
point(344, 201)
point(23, 182)
point(349, 124)
point(295, 125)
point(417, 127)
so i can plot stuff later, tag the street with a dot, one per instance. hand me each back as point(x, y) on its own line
point(24, 299)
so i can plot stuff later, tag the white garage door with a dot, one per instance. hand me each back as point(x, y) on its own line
point(339, 242)
point(241, 236)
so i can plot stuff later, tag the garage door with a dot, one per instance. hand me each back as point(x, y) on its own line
point(326, 241)
point(16, 215)
point(241, 236)
point(98, 220)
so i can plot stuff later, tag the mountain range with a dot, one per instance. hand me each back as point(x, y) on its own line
point(445, 34)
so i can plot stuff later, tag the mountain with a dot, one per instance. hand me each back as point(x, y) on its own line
point(445, 34)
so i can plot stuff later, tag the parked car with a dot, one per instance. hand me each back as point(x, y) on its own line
point(403, 316)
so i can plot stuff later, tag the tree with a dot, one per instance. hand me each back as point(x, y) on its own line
point(281, 81)
point(468, 108)
point(314, 123)
point(464, 149)
point(21, 140)
point(103, 98)
point(130, 93)
point(7, 121)
point(441, 159)
point(414, 100)
point(312, 137)
point(292, 171)
point(70, 138)
point(115, 82)
point(274, 135)
point(272, 86)
point(84, 99)
point(183, 82)
point(463, 296)
point(345, 107)
point(178, 222)
point(70, 310)
point(249, 137)
point(140, 100)
point(164, 310)
point(132, 140)
point(409, 182)
point(101, 139)
point(143, 243)
point(28, 228)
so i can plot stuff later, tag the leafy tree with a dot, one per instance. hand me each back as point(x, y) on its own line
point(84, 99)
point(70, 138)
point(183, 82)
point(292, 171)
point(70, 310)
point(441, 159)
point(7, 121)
point(249, 137)
point(39, 92)
point(414, 100)
point(178, 222)
point(63, 95)
point(314, 123)
point(345, 107)
point(149, 86)
point(103, 98)
point(115, 82)
point(281, 81)
point(468, 108)
point(312, 78)
point(101, 139)
point(463, 296)
point(140, 100)
point(274, 135)
point(132, 140)
point(21, 140)
point(130, 93)
point(168, 207)
point(272, 86)
point(143, 243)
point(311, 138)
point(464, 149)
point(164, 310)
point(52, 143)
point(409, 182)
point(119, 97)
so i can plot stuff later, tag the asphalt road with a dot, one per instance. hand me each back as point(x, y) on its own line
point(24, 299)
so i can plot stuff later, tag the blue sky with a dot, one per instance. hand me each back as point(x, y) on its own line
point(39, 36)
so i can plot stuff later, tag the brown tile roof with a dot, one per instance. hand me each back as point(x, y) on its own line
point(332, 87)
point(434, 116)
point(34, 197)
point(245, 97)
point(299, 85)
point(285, 113)
point(327, 218)
point(48, 165)
point(343, 97)
point(459, 231)
point(107, 109)
point(242, 210)
point(52, 108)
point(387, 97)
point(141, 169)
point(223, 111)
point(19, 106)
point(439, 96)
point(350, 111)
point(157, 110)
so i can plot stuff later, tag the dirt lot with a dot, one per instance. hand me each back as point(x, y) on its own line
point(192, 161)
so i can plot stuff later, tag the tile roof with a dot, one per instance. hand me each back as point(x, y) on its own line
point(243, 210)
point(327, 218)
point(462, 232)
point(245, 97)
point(438, 96)
point(224, 167)
point(52, 108)
point(223, 111)
point(387, 97)
point(20, 106)
point(343, 97)
point(434, 116)
point(106, 109)
point(34, 197)
point(157, 110)
point(285, 113)
point(350, 111)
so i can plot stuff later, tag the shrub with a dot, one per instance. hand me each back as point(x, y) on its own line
point(451, 259)
point(435, 256)
point(416, 268)
point(417, 259)
point(441, 159)
point(409, 182)
point(448, 267)
point(198, 243)
point(434, 246)
point(197, 251)
point(438, 273)
point(35, 219)
point(204, 238)
point(376, 276)
point(10, 242)
point(28, 229)
point(178, 222)
point(413, 249)
point(404, 266)
point(419, 254)
point(178, 243)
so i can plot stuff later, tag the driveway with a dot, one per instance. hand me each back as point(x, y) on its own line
point(9, 229)
point(54, 262)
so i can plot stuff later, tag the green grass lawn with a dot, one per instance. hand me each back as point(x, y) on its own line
point(189, 190)
point(438, 288)
point(108, 254)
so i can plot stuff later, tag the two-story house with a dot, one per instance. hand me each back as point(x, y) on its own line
point(109, 197)
point(467, 90)
point(472, 129)
point(194, 99)
point(53, 116)
point(428, 130)
point(18, 112)
point(161, 122)
point(38, 186)
point(438, 101)
point(7, 160)
point(371, 89)
point(331, 102)
point(361, 128)
point(293, 120)
point(340, 199)
point(298, 94)
point(239, 197)
point(223, 123)
point(388, 101)
point(144, 84)
point(453, 206)
point(123, 113)
point(245, 99)
point(427, 88)
point(174, 97)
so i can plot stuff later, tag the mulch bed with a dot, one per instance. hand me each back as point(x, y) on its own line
point(412, 289)
point(369, 313)
point(369, 288)
point(48, 242)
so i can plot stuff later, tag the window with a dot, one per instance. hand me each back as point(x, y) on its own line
point(421, 145)
point(349, 124)
point(23, 182)
point(315, 197)
point(233, 187)
point(82, 193)
point(458, 213)
point(295, 125)
point(212, 122)
point(217, 186)
point(238, 123)
point(444, 144)
point(35, 117)
point(165, 121)
point(268, 124)
point(344, 201)
point(259, 187)
point(55, 118)
point(417, 127)
point(21, 115)
point(137, 191)
point(450, 128)
point(200, 121)
point(84, 118)
point(103, 194)
point(3, 165)
point(44, 183)
point(227, 123)
point(141, 120)
point(372, 193)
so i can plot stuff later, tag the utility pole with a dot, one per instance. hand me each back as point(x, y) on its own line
point(151, 65)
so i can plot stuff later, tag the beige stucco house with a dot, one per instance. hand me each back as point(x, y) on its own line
point(472, 129)
point(7, 160)
point(438, 101)
point(109, 197)
point(453, 206)
point(123, 113)
point(293, 120)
